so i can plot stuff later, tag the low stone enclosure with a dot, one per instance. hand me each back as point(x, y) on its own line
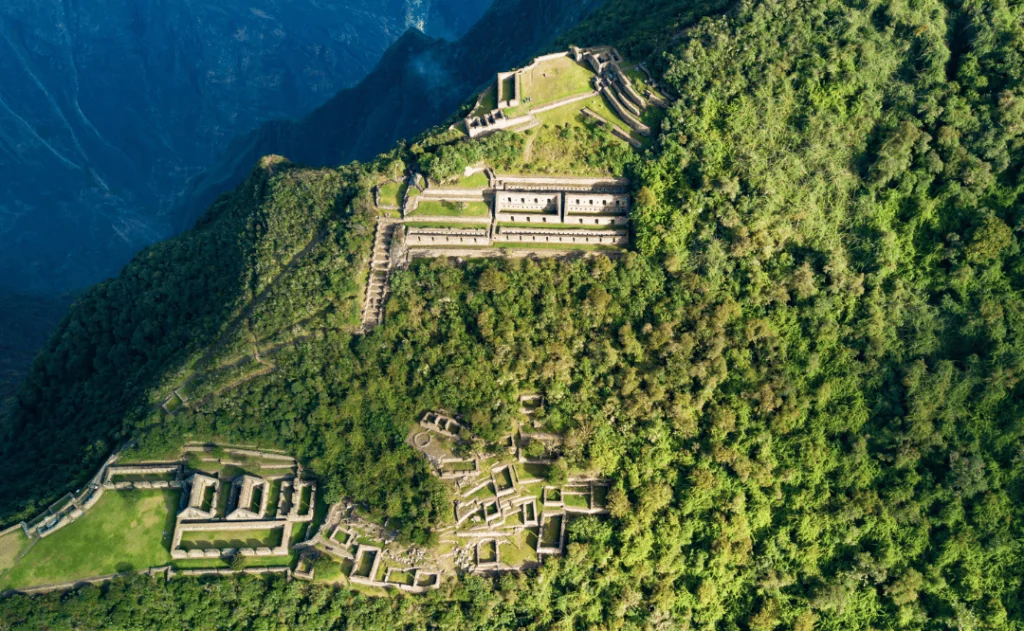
point(609, 80)
point(246, 512)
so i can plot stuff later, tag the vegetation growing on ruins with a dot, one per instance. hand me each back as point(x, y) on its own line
point(805, 383)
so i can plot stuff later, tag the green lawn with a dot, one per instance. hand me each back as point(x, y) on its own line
point(554, 80)
point(11, 546)
point(401, 578)
point(578, 501)
point(392, 193)
point(516, 556)
point(551, 537)
point(529, 470)
point(504, 479)
point(256, 538)
point(573, 114)
point(329, 571)
point(443, 224)
point(125, 530)
point(477, 180)
point(488, 552)
point(452, 209)
point(458, 466)
point(484, 493)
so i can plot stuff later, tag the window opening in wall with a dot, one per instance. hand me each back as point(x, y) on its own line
point(595, 222)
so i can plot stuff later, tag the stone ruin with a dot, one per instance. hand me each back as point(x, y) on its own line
point(495, 507)
point(172, 470)
point(442, 424)
point(610, 81)
point(248, 492)
point(197, 502)
point(345, 528)
point(537, 210)
point(615, 85)
point(246, 511)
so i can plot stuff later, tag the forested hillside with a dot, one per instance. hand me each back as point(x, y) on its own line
point(805, 383)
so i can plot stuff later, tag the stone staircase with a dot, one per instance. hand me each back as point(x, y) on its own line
point(380, 271)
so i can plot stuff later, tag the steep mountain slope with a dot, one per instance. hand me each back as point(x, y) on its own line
point(418, 83)
point(108, 107)
point(806, 383)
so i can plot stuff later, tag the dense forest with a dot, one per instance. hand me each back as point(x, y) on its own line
point(805, 382)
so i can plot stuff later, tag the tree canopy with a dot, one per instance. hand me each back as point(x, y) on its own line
point(805, 382)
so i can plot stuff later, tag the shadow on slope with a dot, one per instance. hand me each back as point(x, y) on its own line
point(126, 342)
point(418, 83)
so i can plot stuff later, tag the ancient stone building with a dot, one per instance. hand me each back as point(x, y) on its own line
point(564, 237)
point(249, 496)
point(576, 203)
point(201, 497)
point(435, 237)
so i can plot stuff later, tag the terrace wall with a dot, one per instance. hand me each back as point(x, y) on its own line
point(574, 237)
point(582, 203)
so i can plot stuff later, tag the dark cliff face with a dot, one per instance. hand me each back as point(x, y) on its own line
point(418, 83)
point(107, 108)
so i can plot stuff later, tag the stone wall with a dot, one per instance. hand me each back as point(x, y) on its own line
point(505, 99)
point(626, 86)
point(514, 182)
point(242, 490)
point(229, 526)
point(198, 484)
point(439, 236)
point(509, 201)
point(567, 237)
point(613, 99)
point(477, 126)
point(598, 220)
point(582, 203)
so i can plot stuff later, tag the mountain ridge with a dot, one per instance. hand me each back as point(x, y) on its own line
point(418, 84)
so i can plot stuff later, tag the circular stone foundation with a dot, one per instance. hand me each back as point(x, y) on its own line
point(421, 440)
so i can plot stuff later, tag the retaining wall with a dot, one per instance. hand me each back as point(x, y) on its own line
point(593, 237)
point(583, 203)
